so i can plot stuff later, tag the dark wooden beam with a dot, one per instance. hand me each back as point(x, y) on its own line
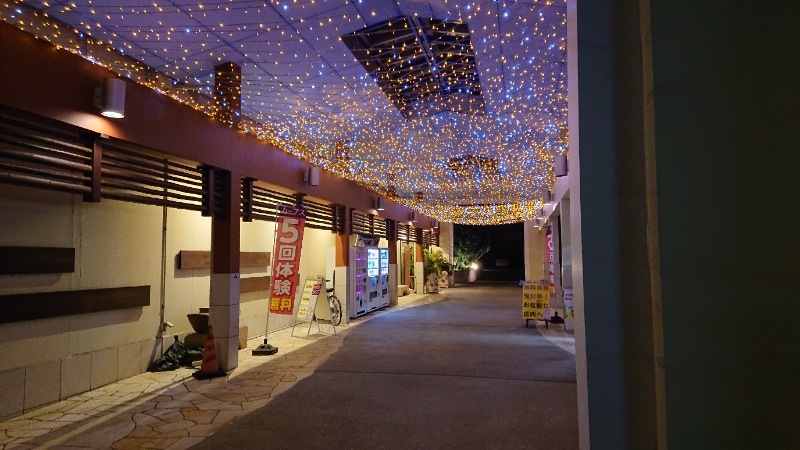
point(201, 259)
point(19, 307)
point(28, 260)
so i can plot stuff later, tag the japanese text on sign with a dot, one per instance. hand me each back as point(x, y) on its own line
point(286, 259)
point(536, 300)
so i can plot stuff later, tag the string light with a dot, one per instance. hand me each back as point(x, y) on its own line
point(304, 92)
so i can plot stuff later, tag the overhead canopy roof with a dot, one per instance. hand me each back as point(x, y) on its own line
point(490, 145)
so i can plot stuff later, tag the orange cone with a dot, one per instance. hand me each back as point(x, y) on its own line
point(209, 368)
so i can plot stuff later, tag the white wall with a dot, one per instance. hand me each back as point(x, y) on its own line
point(117, 244)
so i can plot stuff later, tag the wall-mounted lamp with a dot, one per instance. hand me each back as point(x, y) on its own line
point(435, 223)
point(561, 168)
point(110, 98)
point(379, 204)
point(311, 176)
point(413, 217)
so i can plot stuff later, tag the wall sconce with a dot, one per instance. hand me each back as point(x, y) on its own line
point(413, 216)
point(435, 223)
point(560, 163)
point(379, 204)
point(110, 98)
point(311, 176)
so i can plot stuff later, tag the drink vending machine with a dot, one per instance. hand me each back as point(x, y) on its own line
point(373, 275)
point(383, 283)
point(357, 286)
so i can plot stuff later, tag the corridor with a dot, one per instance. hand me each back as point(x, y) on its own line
point(454, 370)
point(460, 373)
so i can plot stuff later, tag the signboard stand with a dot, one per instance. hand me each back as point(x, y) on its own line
point(536, 301)
point(306, 310)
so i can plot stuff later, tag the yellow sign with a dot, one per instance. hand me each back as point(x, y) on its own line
point(536, 300)
point(308, 302)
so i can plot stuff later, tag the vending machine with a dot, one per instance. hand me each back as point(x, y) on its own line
point(383, 282)
point(357, 296)
point(373, 278)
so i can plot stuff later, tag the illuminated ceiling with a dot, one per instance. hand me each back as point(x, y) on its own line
point(486, 161)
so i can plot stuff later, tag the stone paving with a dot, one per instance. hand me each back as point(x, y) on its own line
point(172, 410)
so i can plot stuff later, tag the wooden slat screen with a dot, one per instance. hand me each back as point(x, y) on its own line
point(136, 176)
point(339, 216)
point(35, 154)
point(426, 238)
point(261, 204)
point(435, 238)
point(368, 224)
point(406, 233)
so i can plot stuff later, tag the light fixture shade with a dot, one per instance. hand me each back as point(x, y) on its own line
point(312, 176)
point(113, 98)
point(413, 216)
point(560, 163)
point(379, 204)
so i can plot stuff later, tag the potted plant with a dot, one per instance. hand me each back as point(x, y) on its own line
point(434, 263)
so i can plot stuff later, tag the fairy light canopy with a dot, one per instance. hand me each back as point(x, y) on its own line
point(483, 155)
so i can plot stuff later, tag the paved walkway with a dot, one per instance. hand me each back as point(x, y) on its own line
point(173, 410)
point(462, 373)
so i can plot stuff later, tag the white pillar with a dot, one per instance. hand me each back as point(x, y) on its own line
point(224, 318)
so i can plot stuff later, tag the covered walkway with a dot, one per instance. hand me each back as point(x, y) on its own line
point(460, 373)
point(457, 370)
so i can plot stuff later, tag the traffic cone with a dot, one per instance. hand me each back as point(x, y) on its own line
point(209, 368)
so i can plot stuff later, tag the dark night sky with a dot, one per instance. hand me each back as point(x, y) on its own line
point(507, 243)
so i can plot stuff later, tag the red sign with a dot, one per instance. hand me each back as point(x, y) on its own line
point(286, 258)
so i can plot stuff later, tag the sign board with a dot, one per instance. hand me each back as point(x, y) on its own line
point(286, 258)
point(308, 302)
point(536, 300)
point(569, 306)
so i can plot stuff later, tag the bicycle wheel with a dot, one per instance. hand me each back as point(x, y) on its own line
point(336, 310)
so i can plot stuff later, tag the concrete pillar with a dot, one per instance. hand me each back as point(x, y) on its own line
point(446, 244)
point(392, 272)
point(619, 353)
point(534, 252)
point(341, 262)
point(566, 257)
point(419, 269)
point(224, 289)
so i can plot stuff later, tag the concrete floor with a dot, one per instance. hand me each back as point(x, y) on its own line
point(460, 373)
point(457, 370)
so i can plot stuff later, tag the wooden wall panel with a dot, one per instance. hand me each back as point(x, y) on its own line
point(254, 259)
point(190, 259)
point(253, 284)
point(26, 260)
point(19, 307)
point(201, 259)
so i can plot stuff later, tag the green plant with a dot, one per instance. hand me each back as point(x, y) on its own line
point(434, 262)
point(468, 247)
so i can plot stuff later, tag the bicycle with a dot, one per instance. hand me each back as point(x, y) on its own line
point(334, 304)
